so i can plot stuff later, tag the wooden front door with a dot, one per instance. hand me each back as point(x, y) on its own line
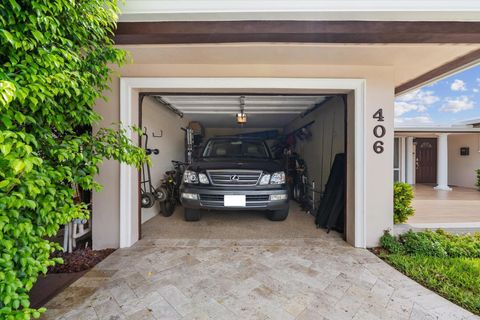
point(426, 152)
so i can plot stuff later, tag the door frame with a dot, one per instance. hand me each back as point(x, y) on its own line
point(129, 207)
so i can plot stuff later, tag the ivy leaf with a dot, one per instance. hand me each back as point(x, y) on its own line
point(15, 5)
point(7, 122)
point(38, 35)
point(5, 149)
point(19, 117)
point(4, 183)
point(17, 166)
point(7, 35)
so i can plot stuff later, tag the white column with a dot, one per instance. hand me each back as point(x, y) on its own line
point(410, 161)
point(401, 159)
point(442, 163)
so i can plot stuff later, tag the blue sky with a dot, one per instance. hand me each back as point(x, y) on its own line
point(444, 102)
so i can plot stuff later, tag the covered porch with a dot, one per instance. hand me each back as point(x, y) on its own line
point(457, 210)
point(440, 163)
point(440, 156)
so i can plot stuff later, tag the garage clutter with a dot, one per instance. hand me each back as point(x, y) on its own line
point(325, 201)
point(167, 192)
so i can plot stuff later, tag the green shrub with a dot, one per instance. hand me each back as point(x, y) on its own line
point(390, 243)
point(402, 202)
point(433, 243)
point(478, 179)
point(55, 63)
point(425, 243)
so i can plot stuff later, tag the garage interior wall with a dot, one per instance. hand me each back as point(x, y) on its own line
point(461, 169)
point(328, 139)
point(156, 118)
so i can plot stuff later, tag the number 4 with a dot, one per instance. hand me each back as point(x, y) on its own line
point(379, 115)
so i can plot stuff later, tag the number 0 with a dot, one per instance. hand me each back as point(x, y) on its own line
point(379, 131)
point(379, 115)
point(378, 147)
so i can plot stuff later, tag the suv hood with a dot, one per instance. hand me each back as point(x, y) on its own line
point(267, 165)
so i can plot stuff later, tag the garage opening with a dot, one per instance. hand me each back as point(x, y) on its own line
point(221, 137)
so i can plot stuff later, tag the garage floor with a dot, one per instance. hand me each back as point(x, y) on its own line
point(245, 267)
point(232, 225)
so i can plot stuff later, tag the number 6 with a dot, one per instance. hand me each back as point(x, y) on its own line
point(378, 147)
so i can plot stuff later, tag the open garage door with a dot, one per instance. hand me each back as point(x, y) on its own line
point(220, 138)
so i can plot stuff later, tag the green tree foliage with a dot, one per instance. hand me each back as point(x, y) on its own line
point(402, 202)
point(54, 65)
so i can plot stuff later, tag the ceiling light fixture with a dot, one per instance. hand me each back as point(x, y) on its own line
point(242, 117)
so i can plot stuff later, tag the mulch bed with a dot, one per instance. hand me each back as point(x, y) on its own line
point(59, 277)
point(378, 251)
point(79, 260)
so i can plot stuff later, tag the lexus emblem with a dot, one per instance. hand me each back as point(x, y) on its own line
point(234, 178)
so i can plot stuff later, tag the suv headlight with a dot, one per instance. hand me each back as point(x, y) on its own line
point(190, 177)
point(202, 177)
point(265, 179)
point(278, 178)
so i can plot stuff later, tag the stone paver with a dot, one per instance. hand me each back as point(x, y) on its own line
point(310, 278)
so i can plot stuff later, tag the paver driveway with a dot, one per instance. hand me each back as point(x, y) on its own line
point(319, 277)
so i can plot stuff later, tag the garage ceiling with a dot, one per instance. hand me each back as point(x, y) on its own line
point(407, 61)
point(263, 111)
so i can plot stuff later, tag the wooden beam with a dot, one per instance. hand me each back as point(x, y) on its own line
point(297, 32)
point(441, 71)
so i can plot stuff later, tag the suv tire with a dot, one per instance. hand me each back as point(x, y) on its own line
point(278, 215)
point(167, 207)
point(192, 214)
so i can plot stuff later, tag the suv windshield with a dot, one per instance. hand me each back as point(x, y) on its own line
point(230, 148)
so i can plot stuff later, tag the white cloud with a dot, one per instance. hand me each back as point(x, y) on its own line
point(476, 90)
point(404, 107)
point(414, 121)
point(417, 100)
point(455, 105)
point(458, 85)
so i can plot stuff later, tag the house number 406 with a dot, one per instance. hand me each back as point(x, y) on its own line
point(379, 132)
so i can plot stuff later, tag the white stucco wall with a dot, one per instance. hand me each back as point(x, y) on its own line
point(378, 180)
point(461, 169)
point(171, 145)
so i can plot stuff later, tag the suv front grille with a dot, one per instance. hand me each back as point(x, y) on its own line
point(234, 177)
point(211, 197)
point(216, 200)
point(249, 197)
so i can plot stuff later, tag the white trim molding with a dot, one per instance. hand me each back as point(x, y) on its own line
point(334, 10)
point(125, 171)
point(291, 85)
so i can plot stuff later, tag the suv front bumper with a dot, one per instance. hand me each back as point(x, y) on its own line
point(213, 198)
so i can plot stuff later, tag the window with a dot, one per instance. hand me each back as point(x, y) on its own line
point(396, 160)
point(233, 148)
